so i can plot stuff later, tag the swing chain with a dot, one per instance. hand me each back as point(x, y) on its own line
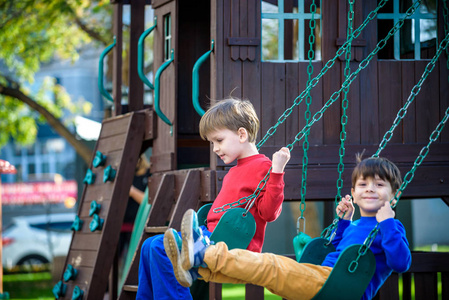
point(407, 179)
point(363, 64)
point(307, 114)
point(344, 103)
point(415, 90)
point(330, 231)
point(363, 249)
point(335, 95)
point(248, 199)
point(329, 64)
point(422, 154)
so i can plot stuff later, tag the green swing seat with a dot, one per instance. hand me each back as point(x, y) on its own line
point(348, 280)
point(236, 227)
point(336, 287)
point(315, 251)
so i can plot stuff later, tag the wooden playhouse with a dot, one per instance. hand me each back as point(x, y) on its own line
point(207, 50)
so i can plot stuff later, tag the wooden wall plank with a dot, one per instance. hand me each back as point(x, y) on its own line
point(188, 198)
point(332, 80)
point(293, 85)
point(217, 59)
point(399, 153)
point(111, 128)
point(136, 86)
point(253, 7)
point(252, 74)
point(389, 97)
point(243, 27)
point(232, 70)
point(426, 284)
point(164, 147)
point(316, 131)
point(427, 102)
point(194, 41)
point(369, 133)
point(163, 201)
point(273, 100)
point(81, 258)
point(409, 123)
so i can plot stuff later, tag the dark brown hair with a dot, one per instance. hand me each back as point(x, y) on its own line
point(382, 167)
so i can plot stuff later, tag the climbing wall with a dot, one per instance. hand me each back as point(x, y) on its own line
point(102, 208)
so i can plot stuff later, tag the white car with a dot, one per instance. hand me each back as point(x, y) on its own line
point(30, 242)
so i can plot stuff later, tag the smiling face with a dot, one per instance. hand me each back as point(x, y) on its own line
point(370, 194)
point(228, 145)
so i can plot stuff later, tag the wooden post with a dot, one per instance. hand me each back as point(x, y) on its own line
point(5, 168)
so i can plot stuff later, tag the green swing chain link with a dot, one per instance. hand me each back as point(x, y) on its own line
point(416, 89)
point(313, 83)
point(307, 114)
point(329, 64)
point(244, 200)
point(363, 64)
point(422, 154)
point(330, 230)
point(344, 104)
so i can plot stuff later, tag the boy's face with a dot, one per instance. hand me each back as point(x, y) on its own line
point(370, 194)
point(227, 144)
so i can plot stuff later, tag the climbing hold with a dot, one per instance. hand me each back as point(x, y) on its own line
point(77, 293)
point(77, 224)
point(99, 159)
point(94, 208)
point(70, 273)
point(96, 223)
point(90, 177)
point(59, 289)
point(109, 174)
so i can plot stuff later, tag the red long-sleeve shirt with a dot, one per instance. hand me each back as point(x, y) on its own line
point(241, 181)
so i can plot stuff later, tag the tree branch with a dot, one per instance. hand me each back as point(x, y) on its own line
point(80, 147)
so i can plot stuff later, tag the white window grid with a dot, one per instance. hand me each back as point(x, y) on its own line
point(396, 15)
point(280, 16)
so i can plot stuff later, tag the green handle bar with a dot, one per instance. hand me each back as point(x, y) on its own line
point(157, 88)
point(140, 55)
point(196, 80)
point(100, 71)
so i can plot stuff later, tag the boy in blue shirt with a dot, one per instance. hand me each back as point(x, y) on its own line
point(374, 183)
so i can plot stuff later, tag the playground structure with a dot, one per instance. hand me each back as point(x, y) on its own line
point(226, 35)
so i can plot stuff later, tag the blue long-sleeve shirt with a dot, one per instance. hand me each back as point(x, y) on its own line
point(390, 248)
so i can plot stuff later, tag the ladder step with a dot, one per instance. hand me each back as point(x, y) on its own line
point(130, 288)
point(156, 229)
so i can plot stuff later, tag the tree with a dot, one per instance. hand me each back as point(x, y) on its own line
point(33, 32)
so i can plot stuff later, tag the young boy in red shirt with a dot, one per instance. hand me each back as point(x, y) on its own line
point(231, 126)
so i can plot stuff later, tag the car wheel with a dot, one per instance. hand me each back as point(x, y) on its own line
point(33, 263)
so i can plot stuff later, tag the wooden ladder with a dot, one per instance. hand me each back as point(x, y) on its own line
point(92, 253)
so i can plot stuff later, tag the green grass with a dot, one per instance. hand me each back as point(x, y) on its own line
point(29, 286)
point(237, 292)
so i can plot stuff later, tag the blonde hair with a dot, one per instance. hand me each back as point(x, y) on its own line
point(230, 114)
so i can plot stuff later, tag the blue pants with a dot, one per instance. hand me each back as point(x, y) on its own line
point(156, 278)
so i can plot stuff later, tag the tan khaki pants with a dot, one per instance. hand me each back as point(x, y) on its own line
point(281, 275)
